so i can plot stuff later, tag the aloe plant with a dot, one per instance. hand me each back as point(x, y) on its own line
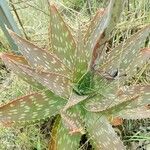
point(80, 82)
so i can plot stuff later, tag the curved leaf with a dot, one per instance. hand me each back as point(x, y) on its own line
point(57, 83)
point(61, 139)
point(143, 92)
point(38, 57)
point(127, 56)
point(81, 57)
point(62, 42)
point(93, 25)
point(128, 97)
point(103, 29)
point(136, 113)
point(11, 61)
point(32, 107)
point(73, 120)
point(102, 134)
point(104, 105)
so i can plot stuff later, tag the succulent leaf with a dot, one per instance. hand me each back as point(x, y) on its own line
point(101, 133)
point(12, 61)
point(61, 139)
point(85, 85)
point(57, 83)
point(143, 92)
point(127, 96)
point(103, 29)
point(81, 61)
point(126, 53)
point(102, 104)
point(141, 59)
point(77, 81)
point(38, 57)
point(93, 24)
point(74, 100)
point(32, 107)
point(135, 113)
point(62, 42)
point(73, 120)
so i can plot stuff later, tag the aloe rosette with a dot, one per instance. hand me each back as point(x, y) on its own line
point(79, 81)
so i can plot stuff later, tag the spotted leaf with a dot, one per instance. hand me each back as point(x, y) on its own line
point(102, 134)
point(57, 83)
point(113, 104)
point(81, 61)
point(139, 61)
point(61, 139)
point(126, 97)
point(127, 53)
point(74, 100)
point(38, 57)
point(73, 120)
point(143, 92)
point(93, 24)
point(135, 113)
point(103, 29)
point(62, 42)
point(32, 107)
point(12, 61)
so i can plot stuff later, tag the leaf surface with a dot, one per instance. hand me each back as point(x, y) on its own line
point(93, 24)
point(136, 113)
point(11, 62)
point(102, 31)
point(143, 92)
point(81, 61)
point(73, 120)
point(32, 107)
point(57, 83)
point(38, 57)
point(127, 56)
point(61, 139)
point(102, 134)
point(62, 42)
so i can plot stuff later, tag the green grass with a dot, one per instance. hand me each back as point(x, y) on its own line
point(35, 19)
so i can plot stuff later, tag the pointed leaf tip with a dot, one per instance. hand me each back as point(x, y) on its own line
point(38, 57)
point(62, 41)
point(32, 107)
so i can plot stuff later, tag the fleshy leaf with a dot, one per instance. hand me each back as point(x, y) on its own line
point(105, 96)
point(102, 134)
point(11, 62)
point(136, 113)
point(32, 107)
point(73, 120)
point(38, 57)
point(61, 139)
point(74, 100)
point(81, 61)
point(143, 92)
point(62, 42)
point(93, 24)
point(126, 53)
point(103, 29)
point(57, 83)
point(102, 104)
point(142, 58)
point(127, 96)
